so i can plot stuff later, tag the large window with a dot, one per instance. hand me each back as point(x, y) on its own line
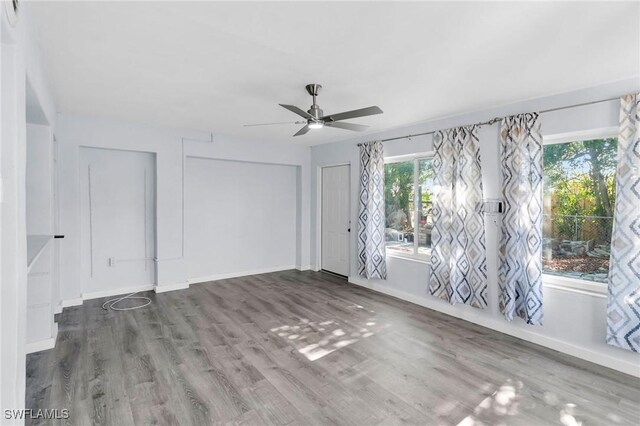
point(409, 200)
point(579, 194)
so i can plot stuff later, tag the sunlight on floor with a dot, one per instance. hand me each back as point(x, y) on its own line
point(503, 402)
point(567, 415)
point(506, 402)
point(316, 339)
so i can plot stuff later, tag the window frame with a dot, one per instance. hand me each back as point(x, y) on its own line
point(577, 285)
point(415, 158)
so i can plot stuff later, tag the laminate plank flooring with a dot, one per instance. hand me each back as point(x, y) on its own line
point(308, 348)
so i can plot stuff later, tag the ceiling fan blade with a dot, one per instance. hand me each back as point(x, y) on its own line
point(294, 109)
point(271, 124)
point(302, 131)
point(362, 112)
point(348, 126)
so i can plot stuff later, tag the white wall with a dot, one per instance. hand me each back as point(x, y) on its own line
point(19, 58)
point(39, 171)
point(240, 217)
point(117, 193)
point(41, 277)
point(574, 322)
point(170, 147)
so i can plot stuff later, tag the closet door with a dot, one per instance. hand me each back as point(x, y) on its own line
point(335, 219)
point(118, 220)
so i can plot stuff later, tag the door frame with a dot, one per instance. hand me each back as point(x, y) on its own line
point(319, 189)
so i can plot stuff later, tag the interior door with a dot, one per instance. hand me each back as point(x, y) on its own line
point(335, 219)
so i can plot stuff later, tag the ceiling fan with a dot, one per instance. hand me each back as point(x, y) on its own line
point(314, 118)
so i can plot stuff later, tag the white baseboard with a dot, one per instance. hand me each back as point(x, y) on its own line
point(171, 287)
point(45, 344)
point(116, 292)
point(303, 268)
point(240, 274)
point(503, 327)
point(57, 309)
point(66, 303)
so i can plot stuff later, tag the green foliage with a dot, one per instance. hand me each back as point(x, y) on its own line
point(580, 177)
point(399, 191)
point(580, 180)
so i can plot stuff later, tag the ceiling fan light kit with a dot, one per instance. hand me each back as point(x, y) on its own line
point(317, 120)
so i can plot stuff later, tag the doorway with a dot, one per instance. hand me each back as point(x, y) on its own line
point(336, 223)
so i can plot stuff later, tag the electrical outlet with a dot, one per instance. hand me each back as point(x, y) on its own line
point(112, 261)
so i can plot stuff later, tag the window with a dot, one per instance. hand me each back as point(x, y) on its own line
point(579, 200)
point(409, 200)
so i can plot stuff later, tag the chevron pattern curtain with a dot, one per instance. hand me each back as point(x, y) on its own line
point(371, 219)
point(623, 308)
point(520, 255)
point(458, 254)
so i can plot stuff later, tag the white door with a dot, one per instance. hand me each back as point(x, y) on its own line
point(335, 219)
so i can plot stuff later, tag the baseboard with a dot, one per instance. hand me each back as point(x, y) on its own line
point(116, 292)
point(171, 287)
point(44, 344)
point(66, 303)
point(240, 274)
point(303, 268)
point(503, 327)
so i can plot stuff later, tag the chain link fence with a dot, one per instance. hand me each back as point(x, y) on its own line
point(578, 228)
point(577, 246)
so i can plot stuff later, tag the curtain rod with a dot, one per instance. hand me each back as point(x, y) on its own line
point(496, 119)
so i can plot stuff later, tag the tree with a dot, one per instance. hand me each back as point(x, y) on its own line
point(399, 191)
point(398, 188)
point(603, 162)
point(580, 180)
point(591, 162)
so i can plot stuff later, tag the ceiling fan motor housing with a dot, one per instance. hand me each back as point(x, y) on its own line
point(315, 111)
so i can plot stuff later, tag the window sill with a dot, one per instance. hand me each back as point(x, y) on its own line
point(424, 258)
point(574, 285)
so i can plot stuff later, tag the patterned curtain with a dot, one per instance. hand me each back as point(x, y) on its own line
point(520, 255)
point(371, 220)
point(623, 309)
point(458, 255)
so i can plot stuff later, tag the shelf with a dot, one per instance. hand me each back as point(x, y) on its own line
point(35, 246)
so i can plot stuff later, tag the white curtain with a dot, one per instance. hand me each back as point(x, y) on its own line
point(623, 309)
point(520, 255)
point(371, 218)
point(458, 255)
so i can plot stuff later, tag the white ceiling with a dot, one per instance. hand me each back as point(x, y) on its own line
point(216, 66)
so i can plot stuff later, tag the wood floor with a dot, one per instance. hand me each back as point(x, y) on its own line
point(308, 348)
